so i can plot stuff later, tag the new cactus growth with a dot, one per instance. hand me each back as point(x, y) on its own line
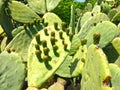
point(43, 64)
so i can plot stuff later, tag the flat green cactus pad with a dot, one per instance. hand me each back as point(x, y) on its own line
point(52, 18)
point(116, 44)
point(96, 71)
point(22, 39)
point(73, 66)
point(107, 31)
point(46, 53)
point(12, 71)
point(21, 13)
point(115, 80)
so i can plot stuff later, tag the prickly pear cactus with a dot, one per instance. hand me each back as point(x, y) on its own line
point(22, 39)
point(116, 44)
point(50, 18)
point(12, 71)
point(96, 73)
point(46, 53)
point(21, 13)
point(73, 66)
point(115, 80)
point(107, 30)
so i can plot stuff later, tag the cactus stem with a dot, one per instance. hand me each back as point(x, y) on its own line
point(61, 34)
point(44, 43)
point(96, 38)
point(56, 26)
point(46, 50)
point(38, 54)
point(70, 36)
point(46, 31)
point(37, 36)
point(37, 47)
point(83, 41)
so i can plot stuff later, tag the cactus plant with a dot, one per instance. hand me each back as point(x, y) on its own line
point(46, 53)
point(107, 30)
point(19, 14)
point(115, 80)
point(12, 72)
point(96, 74)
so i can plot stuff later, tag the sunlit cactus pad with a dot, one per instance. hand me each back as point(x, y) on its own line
point(46, 53)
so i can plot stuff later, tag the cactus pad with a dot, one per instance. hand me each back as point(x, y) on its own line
point(46, 53)
point(96, 71)
point(12, 71)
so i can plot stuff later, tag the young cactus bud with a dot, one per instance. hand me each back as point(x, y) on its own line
point(37, 36)
point(46, 31)
point(67, 31)
point(46, 50)
point(83, 41)
point(38, 54)
point(45, 58)
point(56, 26)
point(44, 43)
point(64, 26)
point(65, 46)
point(52, 39)
point(70, 36)
point(96, 38)
point(37, 47)
point(61, 34)
point(53, 33)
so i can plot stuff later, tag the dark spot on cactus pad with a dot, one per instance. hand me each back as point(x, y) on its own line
point(65, 47)
point(37, 36)
point(92, 14)
point(13, 50)
point(96, 37)
point(83, 60)
point(46, 31)
point(106, 82)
